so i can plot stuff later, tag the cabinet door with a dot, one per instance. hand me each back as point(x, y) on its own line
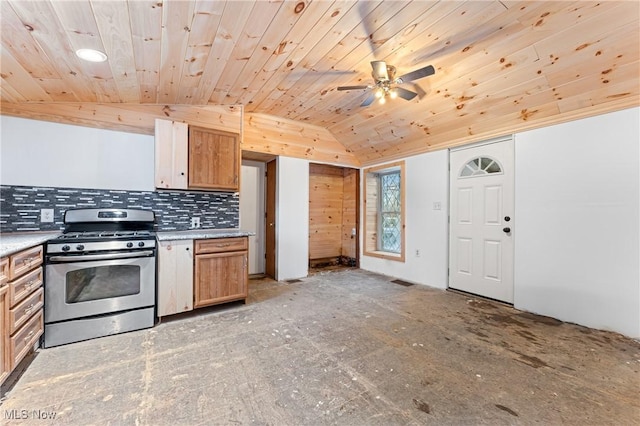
point(4, 337)
point(175, 277)
point(214, 159)
point(4, 270)
point(220, 277)
point(171, 151)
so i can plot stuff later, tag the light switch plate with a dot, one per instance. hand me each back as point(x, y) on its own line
point(46, 215)
point(195, 222)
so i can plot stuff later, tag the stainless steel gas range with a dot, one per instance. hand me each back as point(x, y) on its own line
point(100, 275)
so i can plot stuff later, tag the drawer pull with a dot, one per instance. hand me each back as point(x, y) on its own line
point(29, 309)
point(28, 336)
point(223, 245)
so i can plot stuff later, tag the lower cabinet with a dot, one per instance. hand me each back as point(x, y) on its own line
point(4, 328)
point(21, 302)
point(221, 273)
point(175, 277)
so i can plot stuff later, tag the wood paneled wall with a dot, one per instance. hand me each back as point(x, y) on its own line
point(261, 134)
point(350, 210)
point(274, 135)
point(132, 118)
point(332, 211)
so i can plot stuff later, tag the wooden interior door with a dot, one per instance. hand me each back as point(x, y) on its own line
point(270, 220)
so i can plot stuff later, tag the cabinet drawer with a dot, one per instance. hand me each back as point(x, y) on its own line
point(217, 245)
point(21, 313)
point(24, 286)
point(25, 338)
point(24, 261)
point(4, 270)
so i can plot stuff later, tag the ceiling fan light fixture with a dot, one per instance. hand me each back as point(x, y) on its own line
point(382, 100)
point(393, 94)
point(91, 55)
point(379, 93)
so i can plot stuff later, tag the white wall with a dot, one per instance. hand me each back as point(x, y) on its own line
point(292, 218)
point(40, 153)
point(252, 209)
point(427, 182)
point(577, 222)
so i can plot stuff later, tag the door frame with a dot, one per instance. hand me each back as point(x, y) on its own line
point(258, 247)
point(270, 234)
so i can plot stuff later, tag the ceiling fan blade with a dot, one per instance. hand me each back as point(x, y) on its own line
point(379, 70)
point(419, 73)
point(405, 94)
point(368, 100)
point(353, 87)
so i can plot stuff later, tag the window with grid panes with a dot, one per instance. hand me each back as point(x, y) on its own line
point(384, 211)
point(390, 224)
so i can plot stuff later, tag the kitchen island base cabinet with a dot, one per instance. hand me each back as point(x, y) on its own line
point(221, 273)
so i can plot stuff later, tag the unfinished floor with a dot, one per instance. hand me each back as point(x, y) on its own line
point(346, 347)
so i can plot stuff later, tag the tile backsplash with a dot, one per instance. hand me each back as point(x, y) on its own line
point(20, 206)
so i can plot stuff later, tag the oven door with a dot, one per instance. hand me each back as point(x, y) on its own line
point(100, 284)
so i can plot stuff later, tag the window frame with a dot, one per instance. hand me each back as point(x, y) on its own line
point(372, 211)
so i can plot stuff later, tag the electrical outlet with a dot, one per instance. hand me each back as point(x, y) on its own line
point(437, 205)
point(353, 232)
point(46, 215)
point(195, 222)
point(417, 252)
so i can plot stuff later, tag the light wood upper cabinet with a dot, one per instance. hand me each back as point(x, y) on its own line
point(175, 277)
point(214, 159)
point(188, 157)
point(171, 154)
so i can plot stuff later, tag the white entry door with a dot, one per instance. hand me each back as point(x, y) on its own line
point(482, 222)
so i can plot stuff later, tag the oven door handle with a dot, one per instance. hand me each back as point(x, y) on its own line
point(107, 256)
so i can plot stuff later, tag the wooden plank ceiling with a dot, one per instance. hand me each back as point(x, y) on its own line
point(501, 66)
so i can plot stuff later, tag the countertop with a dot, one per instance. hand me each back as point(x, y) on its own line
point(14, 242)
point(197, 234)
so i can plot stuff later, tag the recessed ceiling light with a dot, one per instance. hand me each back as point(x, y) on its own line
point(91, 55)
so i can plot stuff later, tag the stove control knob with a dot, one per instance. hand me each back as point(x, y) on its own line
point(79, 247)
point(129, 245)
point(141, 244)
point(66, 248)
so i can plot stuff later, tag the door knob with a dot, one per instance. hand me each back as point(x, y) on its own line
point(271, 224)
point(507, 218)
point(507, 229)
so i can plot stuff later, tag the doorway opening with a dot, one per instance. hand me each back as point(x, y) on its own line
point(257, 211)
point(334, 201)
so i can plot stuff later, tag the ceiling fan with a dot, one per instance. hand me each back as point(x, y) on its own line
point(386, 82)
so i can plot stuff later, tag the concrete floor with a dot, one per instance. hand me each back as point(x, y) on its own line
point(345, 347)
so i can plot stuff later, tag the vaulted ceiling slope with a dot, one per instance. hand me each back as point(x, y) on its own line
point(500, 66)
